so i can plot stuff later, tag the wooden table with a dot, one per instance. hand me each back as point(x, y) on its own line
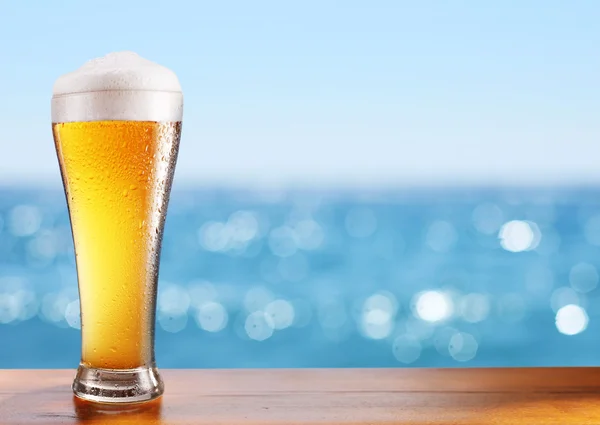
point(330, 396)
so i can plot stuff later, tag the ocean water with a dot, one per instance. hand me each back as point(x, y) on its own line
point(298, 278)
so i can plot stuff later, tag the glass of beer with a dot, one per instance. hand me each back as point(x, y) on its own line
point(116, 123)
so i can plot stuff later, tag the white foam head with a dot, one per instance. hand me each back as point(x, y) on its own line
point(118, 86)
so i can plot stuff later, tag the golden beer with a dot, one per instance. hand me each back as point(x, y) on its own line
point(116, 123)
point(116, 176)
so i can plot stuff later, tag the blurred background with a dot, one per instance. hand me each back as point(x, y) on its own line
point(364, 184)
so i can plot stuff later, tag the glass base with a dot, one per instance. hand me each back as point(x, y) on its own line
point(117, 385)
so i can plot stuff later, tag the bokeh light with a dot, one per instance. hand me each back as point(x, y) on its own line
point(9, 309)
point(281, 313)
point(309, 235)
point(406, 349)
point(487, 218)
point(571, 319)
point(25, 220)
point(433, 306)
point(463, 346)
point(441, 339)
point(518, 236)
point(583, 277)
point(173, 299)
point(474, 307)
point(259, 326)
point(378, 313)
point(172, 321)
point(212, 317)
point(564, 296)
point(201, 292)
point(257, 298)
point(72, 314)
point(592, 230)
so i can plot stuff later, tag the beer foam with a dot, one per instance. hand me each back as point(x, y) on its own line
point(118, 71)
point(118, 86)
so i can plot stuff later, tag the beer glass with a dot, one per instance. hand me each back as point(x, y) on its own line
point(116, 124)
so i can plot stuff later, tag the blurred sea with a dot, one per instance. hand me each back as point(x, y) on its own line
point(420, 277)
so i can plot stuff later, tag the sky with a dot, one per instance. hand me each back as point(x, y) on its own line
point(323, 92)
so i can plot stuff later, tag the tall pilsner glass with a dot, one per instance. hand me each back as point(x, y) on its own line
point(116, 124)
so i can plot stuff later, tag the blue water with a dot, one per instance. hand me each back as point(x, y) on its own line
point(427, 277)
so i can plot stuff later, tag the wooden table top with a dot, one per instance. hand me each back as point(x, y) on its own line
point(532, 396)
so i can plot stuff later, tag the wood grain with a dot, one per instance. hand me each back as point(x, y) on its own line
point(532, 396)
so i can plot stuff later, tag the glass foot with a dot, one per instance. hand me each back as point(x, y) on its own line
point(117, 386)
